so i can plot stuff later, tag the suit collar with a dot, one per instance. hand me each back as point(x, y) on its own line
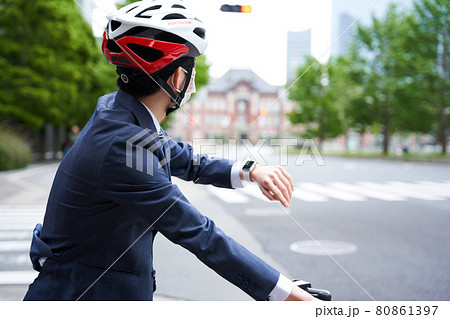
point(138, 109)
point(155, 121)
point(143, 117)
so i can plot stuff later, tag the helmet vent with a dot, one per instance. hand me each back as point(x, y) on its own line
point(134, 31)
point(146, 53)
point(115, 24)
point(112, 46)
point(169, 37)
point(178, 6)
point(200, 32)
point(143, 15)
point(173, 16)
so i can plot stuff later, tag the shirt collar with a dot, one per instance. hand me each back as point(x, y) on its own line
point(155, 121)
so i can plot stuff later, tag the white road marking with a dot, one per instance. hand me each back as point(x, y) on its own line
point(15, 235)
point(332, 192)
point(265, 211)
point(16, 227)
point(14, 223)
point(28, 209)
point(399, 189)
point(377, 194)
point(359, 191)
point(308, 196)
point(417, 191)
point(254, 191)
point(323, 247)
point(440, 189)
point(16, 245)
point(17, 277)
point(20, 217)
point(228, 195)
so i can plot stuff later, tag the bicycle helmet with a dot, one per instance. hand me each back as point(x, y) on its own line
point(150, 35)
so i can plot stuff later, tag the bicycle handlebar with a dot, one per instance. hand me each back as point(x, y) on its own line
point(321, 294)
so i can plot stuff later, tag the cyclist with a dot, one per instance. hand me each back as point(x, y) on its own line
point(113, 192)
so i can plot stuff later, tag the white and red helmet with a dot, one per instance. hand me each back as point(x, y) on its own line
point(149, 35)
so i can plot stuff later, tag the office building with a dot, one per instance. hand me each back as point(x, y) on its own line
point(298, 46)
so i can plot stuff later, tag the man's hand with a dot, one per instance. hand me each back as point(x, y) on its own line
point(298, 294)
point(274, 182)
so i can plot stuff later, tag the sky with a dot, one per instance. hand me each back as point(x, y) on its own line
point(257, 40)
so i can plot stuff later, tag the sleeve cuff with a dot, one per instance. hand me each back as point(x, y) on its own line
point(236, 181)
point(282, 289)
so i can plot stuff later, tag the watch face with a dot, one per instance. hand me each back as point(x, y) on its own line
point(248, 164)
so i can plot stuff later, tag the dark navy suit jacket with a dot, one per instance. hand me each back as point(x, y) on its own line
point(108, 190)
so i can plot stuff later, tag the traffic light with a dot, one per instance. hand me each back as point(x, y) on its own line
point(235, 8)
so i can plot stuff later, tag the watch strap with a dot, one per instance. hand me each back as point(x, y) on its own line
point(247, 168)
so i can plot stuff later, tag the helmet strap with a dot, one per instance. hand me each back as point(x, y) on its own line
point(176, 100)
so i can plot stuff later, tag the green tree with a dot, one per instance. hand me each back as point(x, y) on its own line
point(316, 107)
point(345, 89)
point(429, 53)
point(202, 76)
point(389, 98)
point(123, 3)
point(53, 71)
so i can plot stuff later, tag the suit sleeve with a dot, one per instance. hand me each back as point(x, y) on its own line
point(153, 199)
point(197, 167)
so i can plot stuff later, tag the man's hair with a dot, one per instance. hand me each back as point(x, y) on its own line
point(141, 84)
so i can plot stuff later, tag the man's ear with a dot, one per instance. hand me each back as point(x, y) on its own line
point(178, 78)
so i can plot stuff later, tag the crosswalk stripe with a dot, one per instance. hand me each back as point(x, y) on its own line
point(308, 196)
point(228, 195)
point(29, 226)
point(16, 227)
point(20, 218)
point(16, 245)
point(439, 189)
point(254, 191)
point(377, 194)
point(396, 189)
point(417, 191)
point(359, 191)
point(15, 235)
point(18, 224)
point(17, 277)
point(22, 207)
point(268, 211)
point(332, 192)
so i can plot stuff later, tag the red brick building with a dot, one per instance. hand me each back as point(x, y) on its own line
point(238, 105)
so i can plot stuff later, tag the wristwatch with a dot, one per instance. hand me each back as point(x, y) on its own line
point(247, 168)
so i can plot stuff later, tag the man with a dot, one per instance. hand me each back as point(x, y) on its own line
point(113, 192)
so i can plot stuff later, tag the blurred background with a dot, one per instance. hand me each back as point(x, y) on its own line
point(367, 81)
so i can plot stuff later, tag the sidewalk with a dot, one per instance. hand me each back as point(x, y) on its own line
point(180, 275)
